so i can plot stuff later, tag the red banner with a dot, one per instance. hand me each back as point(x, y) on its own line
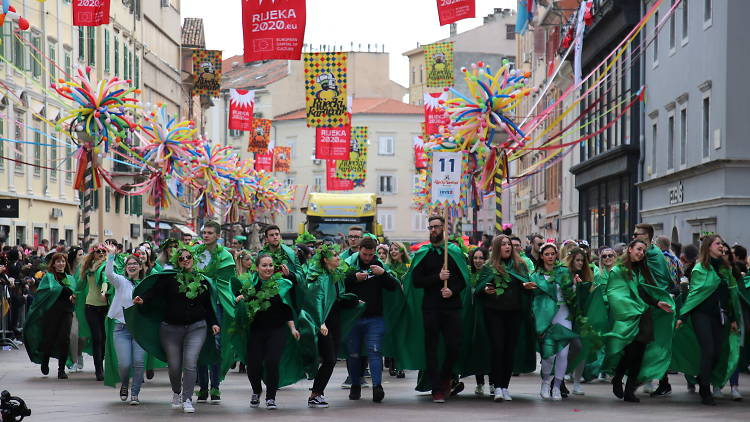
point(264, 162)
point(90, 12)
point(260, 136)
point(273, 29)
point(434, 113)
point(333, 182)
point(332, 143)
point(420, 158)
point(450, 11)
point(241, 104)
point(282, 157)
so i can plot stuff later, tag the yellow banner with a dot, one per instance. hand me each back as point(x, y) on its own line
point(325, 89)
point(207, 72)
point(438, 59)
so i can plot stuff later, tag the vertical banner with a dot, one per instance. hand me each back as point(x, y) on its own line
point(439, 62)
point(325, 89)
point(355, 168)
point(264, 162)
point(241, 106)
point(90, 12)
point(260, 136)
point(450, 11)
point(420, 158)
point(282, 159)
point(333, 182)
point(207, 72)
point(447, 169)
point(332, 143)
point(273, 29)
point(434, 113)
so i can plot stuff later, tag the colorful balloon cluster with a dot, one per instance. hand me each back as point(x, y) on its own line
point(10, 12)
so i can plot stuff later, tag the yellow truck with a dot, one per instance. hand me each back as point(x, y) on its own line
point(329, 215)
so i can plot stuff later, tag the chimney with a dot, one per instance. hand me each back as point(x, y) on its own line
point(235, 64)
point(454, 30)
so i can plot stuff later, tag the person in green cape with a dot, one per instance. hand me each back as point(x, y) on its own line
point(123, 354)
point(518, 247)
point(166, 249)
point(217, 263)
point(597, 310)
point(503, 304)
point(284, 258)
point(477, 258)
point(708, 321)
point(740, 272)
point(583, 278)
point(174, 317)
point(93, 294)
point(77, 344)
point(48, 321)
point(398, 263)
point(355, 236)
point(263, 323)
point(639, 344)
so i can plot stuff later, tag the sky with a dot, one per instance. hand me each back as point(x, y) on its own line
point(399, 24)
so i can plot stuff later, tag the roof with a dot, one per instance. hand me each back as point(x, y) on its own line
point(254, 75)
point(192, 33)
point(366, 106)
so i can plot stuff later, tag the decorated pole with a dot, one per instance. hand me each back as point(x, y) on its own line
point(88, 202)
point(445, 240)
point(498, 201)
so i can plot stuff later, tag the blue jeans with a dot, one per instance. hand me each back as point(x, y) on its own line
point(371, 331)
point(130, 354)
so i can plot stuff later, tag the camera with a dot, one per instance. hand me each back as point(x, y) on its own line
point(12, 408)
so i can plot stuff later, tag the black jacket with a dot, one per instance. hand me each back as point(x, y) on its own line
point(370, 290)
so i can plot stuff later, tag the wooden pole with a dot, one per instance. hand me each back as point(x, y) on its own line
point(445, 240)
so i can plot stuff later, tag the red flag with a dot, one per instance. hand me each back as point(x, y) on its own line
point(282, 157)
point(333, 182)
point(273, 29)
point(420, 158)
point(434, 113)
point(264, 162)
point(450, 11)
point(90, 12)
point(241, 104)
point(332, 143)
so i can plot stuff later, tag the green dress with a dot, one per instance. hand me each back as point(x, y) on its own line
point(553, 337)
point(47, 293)
point(687, 352)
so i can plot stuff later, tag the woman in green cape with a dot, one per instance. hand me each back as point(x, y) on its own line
point(710, 315)
point(259, 333)
point(77, 344)
point(398, 263)
point(583, 278)
point(597, 312)
point(174, 316)
point(639, 344)
point(477, 258)
point(93, 294)
point(47, 327)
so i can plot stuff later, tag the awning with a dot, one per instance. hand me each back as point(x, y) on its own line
point(163, 226)
point(185, 230)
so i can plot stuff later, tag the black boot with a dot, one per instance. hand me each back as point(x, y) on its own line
point(617, 386)
point(45, 366)
point(355, 392)
point(61, 375)
point(706, 397)
point(630, 388)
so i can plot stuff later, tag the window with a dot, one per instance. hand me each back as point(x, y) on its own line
point(107, 199)
point(20, 134)
point(656, 37)
point(137, 76)
point(117, 202)
point(707, 10)
point(81, 43)
point(18, 51)
point(38, 235)
point(51, 68)
point(127, 204)
point(385, 218)
point(317, 183)
point(705, 122)
point(421, 73)
point(52, 140)
point(386, 184)
point(290, 222)
point(234, 133)
point(125, 63)
point(54, 236)
point(106, 50)
point(685, 20)
point(117, 56)
point(289, 181)
point(37, 149)
point(670, 142)
point(130, 67)
point(683, 136)
point(413, 75)
point(35, 60)
point(510, 32)
point(654, 141)
point(386, 145)
point(672, 30)
point(20, 235)
point(418, 222)
point(292, 143)
point(70, 148)
point(91, 36)
point(68, 237)
point(68, 64)
point(136, 205)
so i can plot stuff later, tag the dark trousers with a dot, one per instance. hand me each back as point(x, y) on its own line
point(445, 322)
point(95, 316)
point(502, 328)
point(710, 334)
point(327, 349)
point(266, 347)
point(631, 361)
point(57, 322)
point(213, 370)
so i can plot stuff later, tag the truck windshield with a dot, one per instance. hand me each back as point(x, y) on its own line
point(333, 228)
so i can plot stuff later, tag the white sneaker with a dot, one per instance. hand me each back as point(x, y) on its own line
point(270, 404)
point(556, 395)
point(187, 406)
point(736, 396)
point(544, 392)
point(255, 400)
point(578, 389)
point(479, 391)
point(498, 394)
point(176, 400)
point(717, 393)
point(648, 387)
point(506, 395)
point(134, 401)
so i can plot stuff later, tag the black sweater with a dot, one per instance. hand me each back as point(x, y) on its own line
point(426, 275)
point(275, 316)
point(179, 309)
point(370, 290)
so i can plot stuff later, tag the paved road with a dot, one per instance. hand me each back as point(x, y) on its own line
point(82, 399)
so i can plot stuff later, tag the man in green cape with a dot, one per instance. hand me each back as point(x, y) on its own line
point(517, 246)
point(354, 237)
point(284, 258)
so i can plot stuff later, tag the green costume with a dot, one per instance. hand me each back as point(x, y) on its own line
point(743, 291)
point(220, 268)
point(529, 263)
point(47, 293)
point(626, 308)
point(82, 290)
point(553, 337)
point(658, 267)
point(687, 352)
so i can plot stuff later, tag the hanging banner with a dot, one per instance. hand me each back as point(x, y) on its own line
point(282, 157)
point(273, 29)
point(450, 11)
point(207, 72)
point(333, 182)
point(325, 89)
point(420, 158)
point(447, 169)
point(332, 143)
point(241, 105)
point(260, 136)
point(439, 62)
point(434, 113)
point(90, 12)
point(355, 168)
point(264, 162)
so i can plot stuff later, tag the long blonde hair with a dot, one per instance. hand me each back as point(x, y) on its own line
point(405, 259)
point(496, 260)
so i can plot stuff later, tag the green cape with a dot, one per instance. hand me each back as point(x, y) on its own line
point(658, 266)
point(626, 307)
point(220, 272)
point(33, 328)
point(553, 338)
point(687, 352)
point(82, 290)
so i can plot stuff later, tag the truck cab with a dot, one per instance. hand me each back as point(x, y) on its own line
point(329, 215)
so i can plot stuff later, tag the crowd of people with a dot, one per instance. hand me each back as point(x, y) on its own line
point(631, 314)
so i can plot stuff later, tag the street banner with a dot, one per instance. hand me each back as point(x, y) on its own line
point(260, 136)
point(447, 169)
point(434, 113)
point(420, 158)
point(282, 157)
point(333, 182)
point(90, 12)
point(332, 143)
point(325, 89)
point(207, 72)
point(241, 105)
point(450, 11)
point(264, 162)
point(273, 29)
point(439, 63)
point(355, 168)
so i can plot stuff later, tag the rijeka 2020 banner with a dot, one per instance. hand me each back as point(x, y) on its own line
point(434, 113)
point(450, 11)
point(325, 89)
point(90, 12)
point(333, 182)
point(332, 143)
point(273, 29)
point(241, 105)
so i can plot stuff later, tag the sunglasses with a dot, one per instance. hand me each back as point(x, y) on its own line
point(354, 237)
point(435, 227)
point(606, 256)
point(185, 258)
point(100, 252)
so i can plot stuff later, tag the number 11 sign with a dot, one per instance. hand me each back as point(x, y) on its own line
point(446, 177)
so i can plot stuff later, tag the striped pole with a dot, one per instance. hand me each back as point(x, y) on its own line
point(498, 201)
point(88, 201)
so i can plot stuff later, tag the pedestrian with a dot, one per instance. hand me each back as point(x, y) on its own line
point(382, 252)
point(739, 271)
point(398, 263)
point(93, 293)
point(583, 278)
point(355, 235)
point(284, 257)
point(516, 241)
point(477, 258)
